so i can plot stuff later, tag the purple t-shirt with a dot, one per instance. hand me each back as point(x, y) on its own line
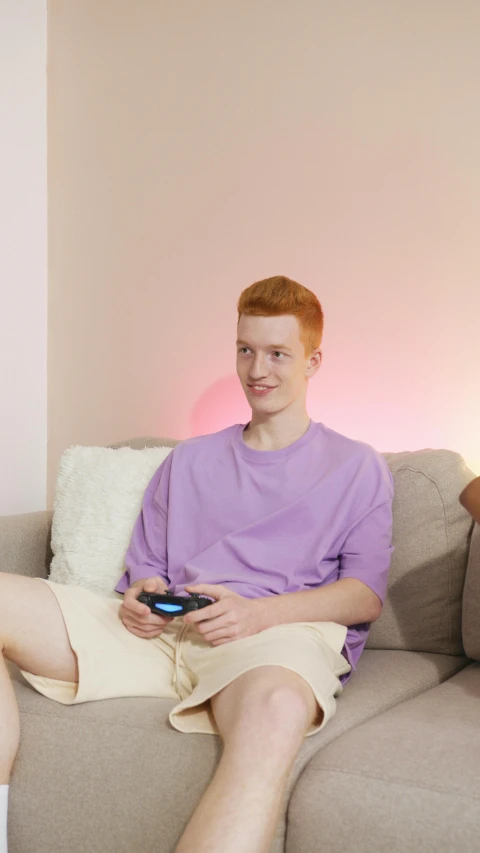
point(267, 522)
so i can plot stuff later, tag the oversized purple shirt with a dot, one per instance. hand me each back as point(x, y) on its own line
point(267, 522)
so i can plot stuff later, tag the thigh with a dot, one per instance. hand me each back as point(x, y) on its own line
point(32, 628)
point(112, 662)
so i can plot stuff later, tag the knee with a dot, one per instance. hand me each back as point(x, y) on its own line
point(288, 706)
point(280, 700)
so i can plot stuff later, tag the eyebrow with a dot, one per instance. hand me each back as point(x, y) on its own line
point(270, 346)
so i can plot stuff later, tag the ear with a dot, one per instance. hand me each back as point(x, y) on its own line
point(313, 364)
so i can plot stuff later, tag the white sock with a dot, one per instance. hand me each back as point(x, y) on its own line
point(3, 817)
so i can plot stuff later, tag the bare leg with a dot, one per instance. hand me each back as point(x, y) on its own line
point(32, 635)
point(263, 717)
point(9, 724)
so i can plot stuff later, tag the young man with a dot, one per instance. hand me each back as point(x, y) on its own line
point(286, 524)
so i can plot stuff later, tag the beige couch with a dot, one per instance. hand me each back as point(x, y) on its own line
point(397, 769)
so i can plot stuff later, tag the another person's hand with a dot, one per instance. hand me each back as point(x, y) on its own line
point(470, 499)
point(137, 617)
point(230, 617)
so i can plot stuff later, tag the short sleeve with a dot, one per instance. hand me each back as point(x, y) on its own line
point(367, 551)
point(146, 556)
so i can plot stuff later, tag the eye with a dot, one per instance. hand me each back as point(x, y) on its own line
point(243, 350)
point(278, 354)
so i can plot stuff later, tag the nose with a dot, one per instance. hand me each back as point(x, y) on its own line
point(258, 369)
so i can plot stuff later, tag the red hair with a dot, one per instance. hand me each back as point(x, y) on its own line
point(280, 295)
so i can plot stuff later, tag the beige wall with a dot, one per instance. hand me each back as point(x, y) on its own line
point(23, 256)
point(196, 147)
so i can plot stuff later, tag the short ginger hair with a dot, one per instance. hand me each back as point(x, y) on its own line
point(278, 295)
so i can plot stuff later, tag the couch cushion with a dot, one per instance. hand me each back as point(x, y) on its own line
point(119, 764)
point(25, 544)
point(431, 531)
point(98, 496)
point(406, 781)
point(471, 598)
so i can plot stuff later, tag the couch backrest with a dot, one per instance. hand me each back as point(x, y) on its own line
point(431, 535)
point(146, 441)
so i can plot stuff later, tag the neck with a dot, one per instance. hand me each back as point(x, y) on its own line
point(273, 432)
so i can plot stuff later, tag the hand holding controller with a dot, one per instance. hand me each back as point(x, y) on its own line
point(166, 604)
point(137, 618)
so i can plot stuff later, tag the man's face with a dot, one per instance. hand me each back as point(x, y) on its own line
point(271, 362)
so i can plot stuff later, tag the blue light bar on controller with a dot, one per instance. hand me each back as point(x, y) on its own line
point(170, 608)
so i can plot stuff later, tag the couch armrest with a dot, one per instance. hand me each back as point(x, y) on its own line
point(25, 544)
point(471, 599)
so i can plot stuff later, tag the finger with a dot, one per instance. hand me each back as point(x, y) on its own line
point(222, 634)
point(145, 618)
point(140, 626)
point(213, 590)
point(136, 608)
point(131, 604)
point(145, 624)
point(154, 584)
point(221, 623)
point(206, 613)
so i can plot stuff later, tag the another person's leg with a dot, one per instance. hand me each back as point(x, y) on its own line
point(32, 635)
point(263, 717)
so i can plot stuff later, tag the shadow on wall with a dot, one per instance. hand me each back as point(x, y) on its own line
point(221, 405)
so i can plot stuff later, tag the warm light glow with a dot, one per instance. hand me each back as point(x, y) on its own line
point(343, 153)
point(375, 421)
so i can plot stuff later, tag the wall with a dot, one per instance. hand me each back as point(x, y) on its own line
point(23, 257)
point(195, 148)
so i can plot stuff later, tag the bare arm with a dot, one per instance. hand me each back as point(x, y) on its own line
point(347, 601)
point(470, 499)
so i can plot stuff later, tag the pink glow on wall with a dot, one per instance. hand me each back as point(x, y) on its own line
point(221, 405)
point(180, 173)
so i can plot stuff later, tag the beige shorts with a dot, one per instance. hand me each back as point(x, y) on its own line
point(180, 664)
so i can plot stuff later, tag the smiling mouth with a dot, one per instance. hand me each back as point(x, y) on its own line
point(260, 387)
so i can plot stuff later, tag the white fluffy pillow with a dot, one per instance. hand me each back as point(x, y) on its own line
point(98, 497)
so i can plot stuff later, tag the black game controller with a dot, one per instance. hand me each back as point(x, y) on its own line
point(173, 605)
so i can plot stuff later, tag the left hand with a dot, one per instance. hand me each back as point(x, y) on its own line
point(229, 617)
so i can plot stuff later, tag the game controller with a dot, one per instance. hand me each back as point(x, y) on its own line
point(173, 605)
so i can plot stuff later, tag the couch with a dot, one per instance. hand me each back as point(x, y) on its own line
point(397, 769)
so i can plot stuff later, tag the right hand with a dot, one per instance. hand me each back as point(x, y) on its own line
point(137, 617)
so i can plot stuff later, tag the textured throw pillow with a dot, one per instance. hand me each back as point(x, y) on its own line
point(98, 497)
